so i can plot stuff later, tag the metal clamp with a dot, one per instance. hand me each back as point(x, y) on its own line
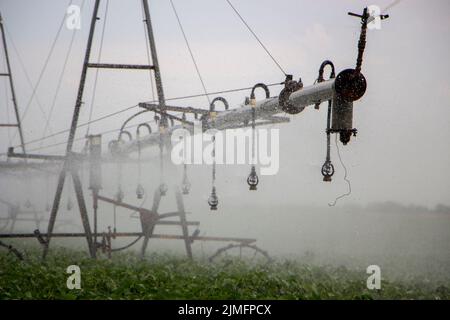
point(290, 86)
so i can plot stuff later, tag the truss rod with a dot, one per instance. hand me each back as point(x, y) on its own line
point(152, 212)
point(8, 125)
point(12, 154)
point(153, 106)
point(132, 234)
point(120, 66)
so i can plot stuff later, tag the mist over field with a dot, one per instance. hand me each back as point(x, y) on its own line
point(404, 240)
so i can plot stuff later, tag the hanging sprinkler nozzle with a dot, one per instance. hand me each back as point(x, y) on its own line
point(140, 191)
point(327, 171)
point(213, 200)
point(163, 189)
point(252, 179)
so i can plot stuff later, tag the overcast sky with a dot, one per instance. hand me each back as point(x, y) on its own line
point(401, 153)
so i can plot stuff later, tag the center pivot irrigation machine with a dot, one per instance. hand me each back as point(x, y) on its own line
point(339, 91)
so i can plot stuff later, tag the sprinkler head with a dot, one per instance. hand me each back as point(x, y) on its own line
point(213, 200)
point(186, 186)
point(252, 179)
point(327, 171)
point(163, 189)
point(140, 191)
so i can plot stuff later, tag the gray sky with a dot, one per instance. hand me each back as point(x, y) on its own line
point(401, 152)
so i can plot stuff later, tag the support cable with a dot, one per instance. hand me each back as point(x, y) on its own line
point(218, 92)
point(91, 109)
point(190, 51)
point(27, 76)
point(106, 116)
point(60, 80)
point(83, 138)
point(256, 37)
point(53, 45)
point(83, 124)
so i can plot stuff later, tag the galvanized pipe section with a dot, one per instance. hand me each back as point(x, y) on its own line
point(308, 96)
point(302, 98)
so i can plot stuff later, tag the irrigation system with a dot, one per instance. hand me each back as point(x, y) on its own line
point(339, 91)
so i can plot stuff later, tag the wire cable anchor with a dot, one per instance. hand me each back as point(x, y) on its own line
point(290, 86)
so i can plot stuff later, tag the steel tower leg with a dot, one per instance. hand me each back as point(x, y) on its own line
point(149, 230)
point(155, 63)
point(11, 83)
point(67, 163)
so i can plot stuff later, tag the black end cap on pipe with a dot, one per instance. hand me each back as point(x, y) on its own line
point(350, 85)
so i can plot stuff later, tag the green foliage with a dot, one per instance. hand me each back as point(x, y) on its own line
point(173, 277)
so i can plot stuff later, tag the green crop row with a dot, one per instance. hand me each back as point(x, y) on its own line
point(173, 277)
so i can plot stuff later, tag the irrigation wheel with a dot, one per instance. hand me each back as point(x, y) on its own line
point(240, 251)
